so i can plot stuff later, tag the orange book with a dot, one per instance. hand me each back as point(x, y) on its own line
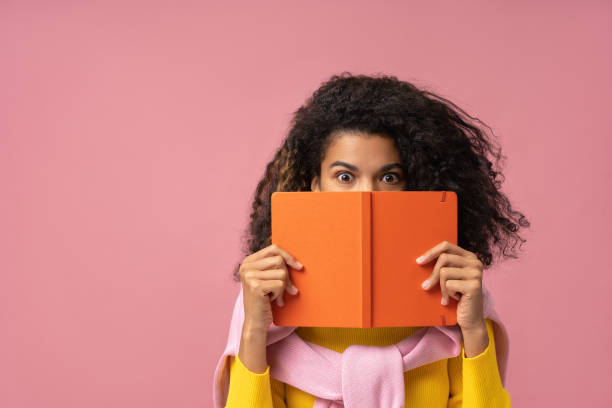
point(358, 249)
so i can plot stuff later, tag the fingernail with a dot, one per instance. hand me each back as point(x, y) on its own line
point(292, 289)
point(425, 284)
point(444, 301)
point(420, 259)
point(299, 265)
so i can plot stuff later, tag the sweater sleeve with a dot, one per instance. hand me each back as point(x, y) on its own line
point(253, 390)
point(475, 381)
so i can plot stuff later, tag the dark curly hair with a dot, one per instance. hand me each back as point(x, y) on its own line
point(440, 146)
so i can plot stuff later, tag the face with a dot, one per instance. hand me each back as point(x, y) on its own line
point(356, 162)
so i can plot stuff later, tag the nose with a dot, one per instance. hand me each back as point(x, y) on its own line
point(366, 186)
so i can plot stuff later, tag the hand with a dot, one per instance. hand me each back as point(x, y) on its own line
point(460, 275)
point(264, 278)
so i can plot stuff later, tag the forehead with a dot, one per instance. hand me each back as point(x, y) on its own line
point(361, 149)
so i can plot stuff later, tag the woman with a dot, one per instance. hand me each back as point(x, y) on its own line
point(371, 134)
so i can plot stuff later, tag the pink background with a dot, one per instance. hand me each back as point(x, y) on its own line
point(133, 135)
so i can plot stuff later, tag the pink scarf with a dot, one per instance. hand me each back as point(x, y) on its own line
point(337, 379)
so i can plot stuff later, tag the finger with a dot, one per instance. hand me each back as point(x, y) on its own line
point(270, 262)
point(270, 274)
point(453, 290)
point(274, 263)
point(447, 273)
point(272, 288)
point(444, 246)
point(445, 259)
point(274, 274)
point(289, 259)
point(462, 287)
point(274, 249)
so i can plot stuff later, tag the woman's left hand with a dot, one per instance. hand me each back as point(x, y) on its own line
point(460, 275)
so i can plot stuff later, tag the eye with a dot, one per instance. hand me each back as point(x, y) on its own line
point(342, 174)
point(397, 176)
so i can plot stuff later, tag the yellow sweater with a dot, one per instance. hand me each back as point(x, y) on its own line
point(455, 382)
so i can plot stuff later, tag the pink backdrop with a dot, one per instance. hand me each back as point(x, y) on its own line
point(133, 134)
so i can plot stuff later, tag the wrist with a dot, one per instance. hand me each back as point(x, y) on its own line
point(476, 329)
point(475, 341)
point(252, 330)
point(252, 351)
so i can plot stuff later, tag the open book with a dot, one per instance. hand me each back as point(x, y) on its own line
point(358, 249)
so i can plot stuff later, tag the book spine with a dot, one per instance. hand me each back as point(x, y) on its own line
point(366, 258)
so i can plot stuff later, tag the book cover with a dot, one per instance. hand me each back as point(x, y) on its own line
point(358, 249)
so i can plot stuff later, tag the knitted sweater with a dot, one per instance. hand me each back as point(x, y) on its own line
point(455, 382)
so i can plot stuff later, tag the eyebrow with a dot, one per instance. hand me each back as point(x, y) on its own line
point(355, 168)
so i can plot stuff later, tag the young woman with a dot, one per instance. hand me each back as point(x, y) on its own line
point(382, 134)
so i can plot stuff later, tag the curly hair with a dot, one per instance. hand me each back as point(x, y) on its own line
point(440, 146)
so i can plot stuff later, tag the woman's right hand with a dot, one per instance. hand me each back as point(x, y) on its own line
point(264, 278)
